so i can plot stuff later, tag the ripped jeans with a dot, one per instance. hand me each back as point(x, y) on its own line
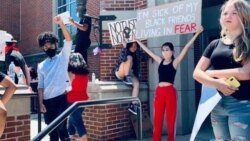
point(231, 120)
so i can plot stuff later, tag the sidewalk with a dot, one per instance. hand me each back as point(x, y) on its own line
point(205, 133)
point(34, 127)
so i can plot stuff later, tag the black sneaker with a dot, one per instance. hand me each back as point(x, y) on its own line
point(133, 109)
point(127, 80)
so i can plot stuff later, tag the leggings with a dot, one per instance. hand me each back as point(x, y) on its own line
point(165, 102)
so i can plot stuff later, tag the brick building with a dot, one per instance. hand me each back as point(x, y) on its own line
point(25, 19)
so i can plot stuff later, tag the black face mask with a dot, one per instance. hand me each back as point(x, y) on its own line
point(51, 52)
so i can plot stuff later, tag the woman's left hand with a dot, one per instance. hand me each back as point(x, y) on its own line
point(225, 88)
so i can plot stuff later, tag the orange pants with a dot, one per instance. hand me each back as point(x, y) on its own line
point(165, 102)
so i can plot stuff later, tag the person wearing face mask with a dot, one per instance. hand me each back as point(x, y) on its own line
point(13, 55)
point(53, 79)
point(165, 101)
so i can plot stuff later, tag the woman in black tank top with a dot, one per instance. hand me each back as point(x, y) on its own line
point(165, 95)
point(226, 57)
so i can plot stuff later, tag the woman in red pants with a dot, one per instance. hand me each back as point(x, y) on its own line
point(165, 95)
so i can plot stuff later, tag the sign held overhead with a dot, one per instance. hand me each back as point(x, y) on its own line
point(169, 19)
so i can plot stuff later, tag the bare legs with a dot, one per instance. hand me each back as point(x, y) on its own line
point(125, 67)
point(3, 115)
point(124, 70)
point(84, 138)
point(75, 137)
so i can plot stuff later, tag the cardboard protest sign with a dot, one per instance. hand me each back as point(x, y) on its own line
point(2, 45)
point(119, 30)
point(169, 19)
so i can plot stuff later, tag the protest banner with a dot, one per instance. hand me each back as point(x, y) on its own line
point(2, 45)
point(119, 30)
point(169, 19)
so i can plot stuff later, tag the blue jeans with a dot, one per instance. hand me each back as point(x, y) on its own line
point(231, 120)
point(75, 123)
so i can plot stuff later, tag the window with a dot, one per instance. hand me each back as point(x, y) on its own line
point(63, 6)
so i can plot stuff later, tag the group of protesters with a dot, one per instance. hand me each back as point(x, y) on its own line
point(63, 77)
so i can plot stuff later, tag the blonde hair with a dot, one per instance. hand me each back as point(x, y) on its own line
point(241, 52)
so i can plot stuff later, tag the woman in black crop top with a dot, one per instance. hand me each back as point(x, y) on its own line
point(165, 95)
point(226, 57)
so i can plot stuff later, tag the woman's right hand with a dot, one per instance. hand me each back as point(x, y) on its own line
point(71, 21)
point(42, 108)
point(201, 29)
point(224, 87)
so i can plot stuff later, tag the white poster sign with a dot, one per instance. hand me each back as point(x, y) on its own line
point(65, 17)
point(209, 99)
point(2, 45)
point(121, 30)
point(169, 19)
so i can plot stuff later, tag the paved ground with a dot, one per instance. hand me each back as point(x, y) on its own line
point(204, 135)
point(34, 127)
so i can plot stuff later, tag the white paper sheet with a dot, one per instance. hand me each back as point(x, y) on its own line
point(2, 45)
point(65, 17)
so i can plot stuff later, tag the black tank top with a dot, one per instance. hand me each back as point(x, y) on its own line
point(166, 72)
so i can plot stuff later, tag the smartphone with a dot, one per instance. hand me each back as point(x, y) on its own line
point(233, 82)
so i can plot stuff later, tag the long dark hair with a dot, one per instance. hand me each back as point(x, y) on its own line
point(77, 64)
point(135, 57)
point(171, 47)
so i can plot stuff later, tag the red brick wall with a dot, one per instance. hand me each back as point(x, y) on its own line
point(17, 128)
point(116, 5)
point(36, 17)
point(140, 4)
point(93, 9)
point(25, 19)
point(110, 122)
point(108, 58)
point(10, 17)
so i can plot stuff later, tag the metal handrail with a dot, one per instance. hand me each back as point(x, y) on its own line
point(76, 105)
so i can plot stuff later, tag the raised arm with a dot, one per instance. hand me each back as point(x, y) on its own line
point(186, 48)
point(149, 52)
point(242, 73)
point(65, 31)
point(83, 27)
